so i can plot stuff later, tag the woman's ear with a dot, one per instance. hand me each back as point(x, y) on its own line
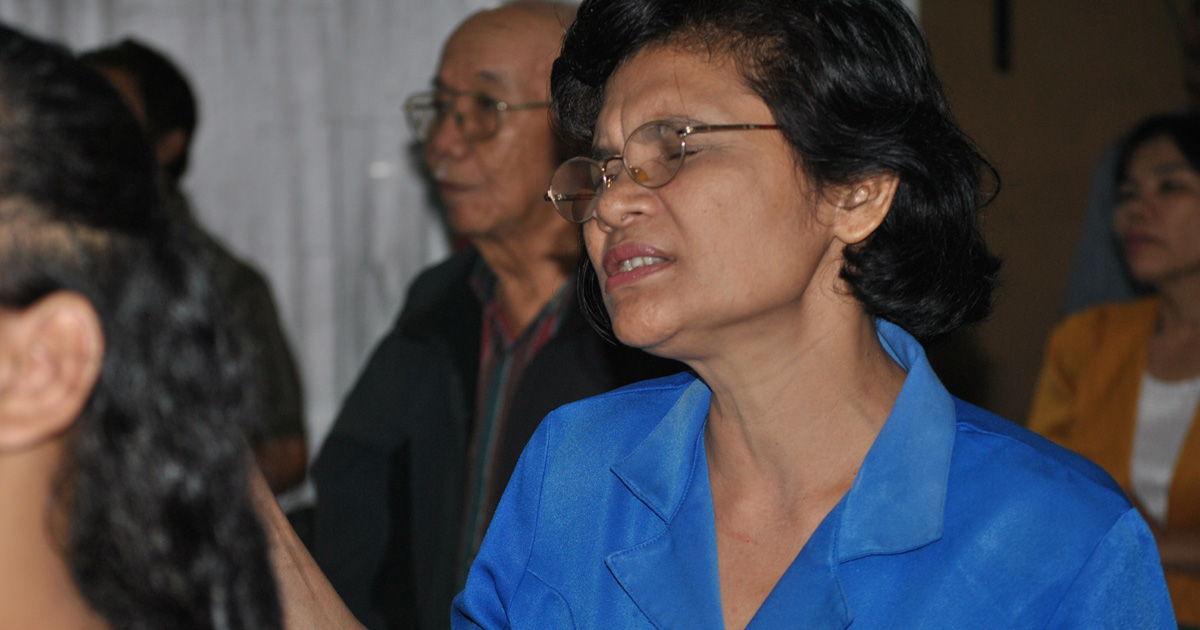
point(861, 207)
point(169, 146)
point(50, 357)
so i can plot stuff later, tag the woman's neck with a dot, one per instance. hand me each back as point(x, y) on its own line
point(1179, 313)
point(800, 414)
point(1174, 350)
point(529, 270)
point(36, 587)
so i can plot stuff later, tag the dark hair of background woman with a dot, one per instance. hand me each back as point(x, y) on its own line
point(161, 533)
point(851, 87)
point(162, 88)
point(1181, 129)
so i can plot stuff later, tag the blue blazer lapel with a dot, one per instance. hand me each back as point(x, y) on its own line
point(809, 595)
point(672, 576)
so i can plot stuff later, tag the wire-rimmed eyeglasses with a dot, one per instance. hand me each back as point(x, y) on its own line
point(652, 156)
point(478, 118)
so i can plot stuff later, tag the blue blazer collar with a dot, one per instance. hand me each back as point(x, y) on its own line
point(898, 499)
point(895, 505)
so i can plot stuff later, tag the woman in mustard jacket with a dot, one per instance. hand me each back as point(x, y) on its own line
point(1120, 383)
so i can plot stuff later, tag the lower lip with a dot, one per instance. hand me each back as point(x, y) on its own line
point(447, 190)
point(1135, 244)
point(623, 278)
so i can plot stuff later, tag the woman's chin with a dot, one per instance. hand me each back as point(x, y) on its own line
point(1148, 274)
point(656, 340)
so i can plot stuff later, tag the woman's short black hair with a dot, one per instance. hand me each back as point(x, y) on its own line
point(165, 93)
point(1182, 129)
point(160, 529)
point(852, 88)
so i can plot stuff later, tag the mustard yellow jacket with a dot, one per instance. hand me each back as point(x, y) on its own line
point(1086, 400)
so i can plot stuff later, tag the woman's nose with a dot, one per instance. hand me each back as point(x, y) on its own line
point(622, 201)
point(1133, 209)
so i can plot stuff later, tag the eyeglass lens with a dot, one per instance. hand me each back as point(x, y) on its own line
point(475, 114)
point(652, 156)
point(575, 187)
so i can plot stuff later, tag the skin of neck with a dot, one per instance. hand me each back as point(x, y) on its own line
point(36, 587)
point(798, 403)
point(1180, 298)
point(531, 263)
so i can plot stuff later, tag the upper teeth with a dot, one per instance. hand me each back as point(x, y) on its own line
point(640, 261)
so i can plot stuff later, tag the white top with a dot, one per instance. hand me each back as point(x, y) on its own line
point(1164, 415)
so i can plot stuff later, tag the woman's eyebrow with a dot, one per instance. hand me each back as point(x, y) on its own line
point(1171, 167)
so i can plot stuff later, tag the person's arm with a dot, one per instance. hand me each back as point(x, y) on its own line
point(306, 597)
point(1178, 548)
point(280, 446)
point(283, 461)
point(1120, 586)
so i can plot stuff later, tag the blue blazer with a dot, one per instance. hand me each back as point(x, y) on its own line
point(957, 519)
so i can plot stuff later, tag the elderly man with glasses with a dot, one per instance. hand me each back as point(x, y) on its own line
point(489, 341)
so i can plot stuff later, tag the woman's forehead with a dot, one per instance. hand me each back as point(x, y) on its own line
point(669, 82)
point(1157, 154)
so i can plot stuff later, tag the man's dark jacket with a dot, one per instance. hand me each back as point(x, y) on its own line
point(390, 477)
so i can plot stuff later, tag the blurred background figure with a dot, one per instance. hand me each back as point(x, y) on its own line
point(1121, 382)
point(488, 343)
point(123, 475)
point(159, 94)
point(1098, 272)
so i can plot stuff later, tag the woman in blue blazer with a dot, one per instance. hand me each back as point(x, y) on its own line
point(778, 196)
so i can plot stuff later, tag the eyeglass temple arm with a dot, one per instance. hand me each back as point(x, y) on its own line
point(505, 106)
point(557, 198)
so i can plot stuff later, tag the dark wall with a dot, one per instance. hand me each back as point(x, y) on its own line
point(1081, 72)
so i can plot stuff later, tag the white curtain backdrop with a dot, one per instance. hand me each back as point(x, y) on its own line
point(301, 162)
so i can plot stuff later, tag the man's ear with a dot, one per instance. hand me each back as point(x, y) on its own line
point(862, 206)
point(50, 357)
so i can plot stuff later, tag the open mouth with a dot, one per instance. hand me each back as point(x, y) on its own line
point(630, 262)
point(629, 257)
point(637, 262)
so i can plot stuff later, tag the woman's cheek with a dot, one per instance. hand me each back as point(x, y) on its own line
point(593, 241)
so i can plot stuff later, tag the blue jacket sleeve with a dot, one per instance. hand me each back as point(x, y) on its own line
point(1120, 586)
point(500, 567)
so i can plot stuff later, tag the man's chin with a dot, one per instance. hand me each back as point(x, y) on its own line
point(468, 221)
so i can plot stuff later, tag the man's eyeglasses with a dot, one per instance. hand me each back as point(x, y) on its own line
point(652, 156)
point(476, 114)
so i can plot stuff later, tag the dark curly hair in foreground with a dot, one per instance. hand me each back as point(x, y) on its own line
point(161, 533)
point(850, 85)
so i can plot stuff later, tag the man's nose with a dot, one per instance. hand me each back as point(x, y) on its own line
point(446, 137)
